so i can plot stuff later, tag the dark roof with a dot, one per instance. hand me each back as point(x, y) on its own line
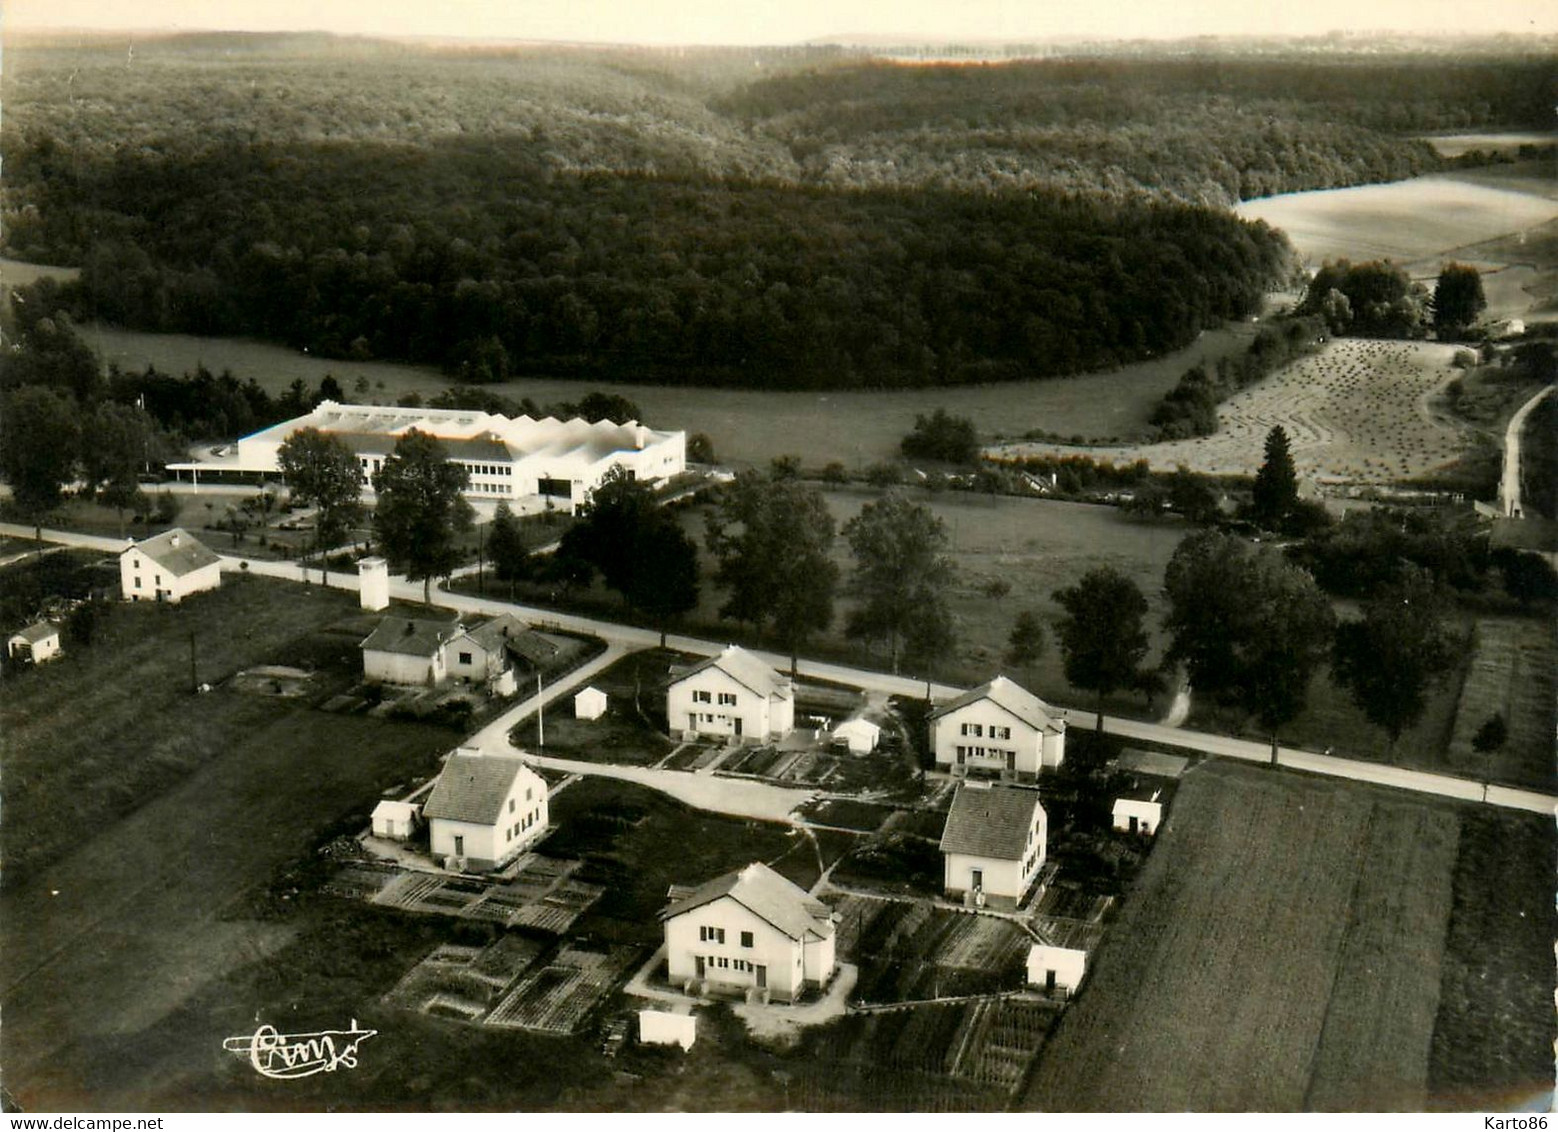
point(509, 631)
point(742, 667)
point(990, 821)
point(410, 637)
point(177, 551)
point(765, 894)
point(472, 788)
point(1013, 697)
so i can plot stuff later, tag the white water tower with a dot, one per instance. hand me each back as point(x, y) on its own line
point(373, 577)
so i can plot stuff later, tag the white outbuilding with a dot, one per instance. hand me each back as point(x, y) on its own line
point(1139, 811)
point(396, 821)
point(860, 735)
point(1056, 969)
point(662, 1028)
point(35, 644)
point(589, 704)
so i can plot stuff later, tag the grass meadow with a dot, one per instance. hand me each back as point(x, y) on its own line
point(1335, 909)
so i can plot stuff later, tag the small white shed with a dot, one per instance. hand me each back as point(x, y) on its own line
point(1138, 811)
point(37, 643)
point(589, 704)
point(396, 821)
point(860, 735)
point(659, 1028)
point(1056, 969)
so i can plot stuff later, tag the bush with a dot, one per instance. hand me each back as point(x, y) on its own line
point(942, 436)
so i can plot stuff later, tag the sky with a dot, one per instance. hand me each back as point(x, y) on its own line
point(792, 21)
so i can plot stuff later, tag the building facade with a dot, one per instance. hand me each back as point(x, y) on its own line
point(999, 729)
point(168, 567)
point(731, 696)
point(484, 812)
point(993, 844)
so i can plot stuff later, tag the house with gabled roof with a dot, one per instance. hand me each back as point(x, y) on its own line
point(731, 696)
point(999, 728)
point(408, 650)
point(168, 567)
point(494, 647)
point(993, 844)
point(484, 811)
point(749, 932)
point(35, 644)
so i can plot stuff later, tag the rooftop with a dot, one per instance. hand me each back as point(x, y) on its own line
point(990, 821)
point(176, 551)
point(36, 632)
point(742, 667)
point(410, 637)
point(471, 788)
point(1009, 695)
point(765, 894)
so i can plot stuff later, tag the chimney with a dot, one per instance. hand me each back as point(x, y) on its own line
point(174, 541)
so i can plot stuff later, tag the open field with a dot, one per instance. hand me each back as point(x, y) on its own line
point(1356, 412)
point(1513, 671)
point(1453, 145)
point(746, 426)
point(1297, 892)
point(1406, 221)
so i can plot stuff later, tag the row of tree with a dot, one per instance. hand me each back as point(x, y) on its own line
point(1379, 300)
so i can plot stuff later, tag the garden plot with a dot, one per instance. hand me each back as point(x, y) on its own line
point(913, 951)
point(540, 893)
point(464, 982)
point(557, 997)
point(1514, 672)
point(1355, 413)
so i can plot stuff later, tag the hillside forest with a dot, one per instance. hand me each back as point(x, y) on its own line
point(771, 219)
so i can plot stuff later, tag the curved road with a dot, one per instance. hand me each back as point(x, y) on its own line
point(1509, 485)
point(626, 638)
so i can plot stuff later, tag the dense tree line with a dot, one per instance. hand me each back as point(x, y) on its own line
point(645, 279)
point(1376, 299)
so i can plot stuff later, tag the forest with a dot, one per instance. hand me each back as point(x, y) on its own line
point(639, 217)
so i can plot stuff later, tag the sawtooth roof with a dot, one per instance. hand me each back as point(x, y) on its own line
point(472, 788)
point(765, 894)
point(188, 555)
point(742, 667)
point(990, 821)
point(1009, 695)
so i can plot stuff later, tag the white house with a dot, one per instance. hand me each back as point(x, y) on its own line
point(168, 567)
point(526, 462)
point(1138, 810)
point(396, 821)
point(589, 704)
point(993, 844)
point(404, 650)
point(485, 811)
point(36, 643)
point(1056, 969)
point(998, 728)
point(733, 695)
point(860, 735)
point(749, 931)
point(485, 652)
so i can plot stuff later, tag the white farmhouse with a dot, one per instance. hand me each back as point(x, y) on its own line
point(168, 567)
point(1056, 970)
point(993, 844)
point(749, 931)
point(35, 644)
point(403, 650)
point(734, 696)
point(485, 811)
point(998, 728)
point(1138, 810)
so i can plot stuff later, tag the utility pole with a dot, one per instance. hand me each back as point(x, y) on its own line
point(194, 681)
point(540, 716)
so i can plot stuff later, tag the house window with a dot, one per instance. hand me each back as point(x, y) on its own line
point(707, 934)
point(137, 581)
point(974, 729)
point(1000, 732)
point(159, 579)
point(727, 699)
point(746, 939)
point(702, 698)
point(527, 793)
point(465, 658)
point(511, 805)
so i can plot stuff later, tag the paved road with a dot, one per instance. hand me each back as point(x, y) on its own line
point(1509, 485)
point(629, 638)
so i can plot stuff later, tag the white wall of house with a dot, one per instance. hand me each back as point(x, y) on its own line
point(394, 820)
point(717, 933)
point(1147, 815)
point(402, 668)
point(712, 702)
point(466, 659)
point(996, 877)
point(37, 651)
point(521, 824)
point(985, 736)
point(1057, 968)
point(659, 1028)
point(143, 579)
